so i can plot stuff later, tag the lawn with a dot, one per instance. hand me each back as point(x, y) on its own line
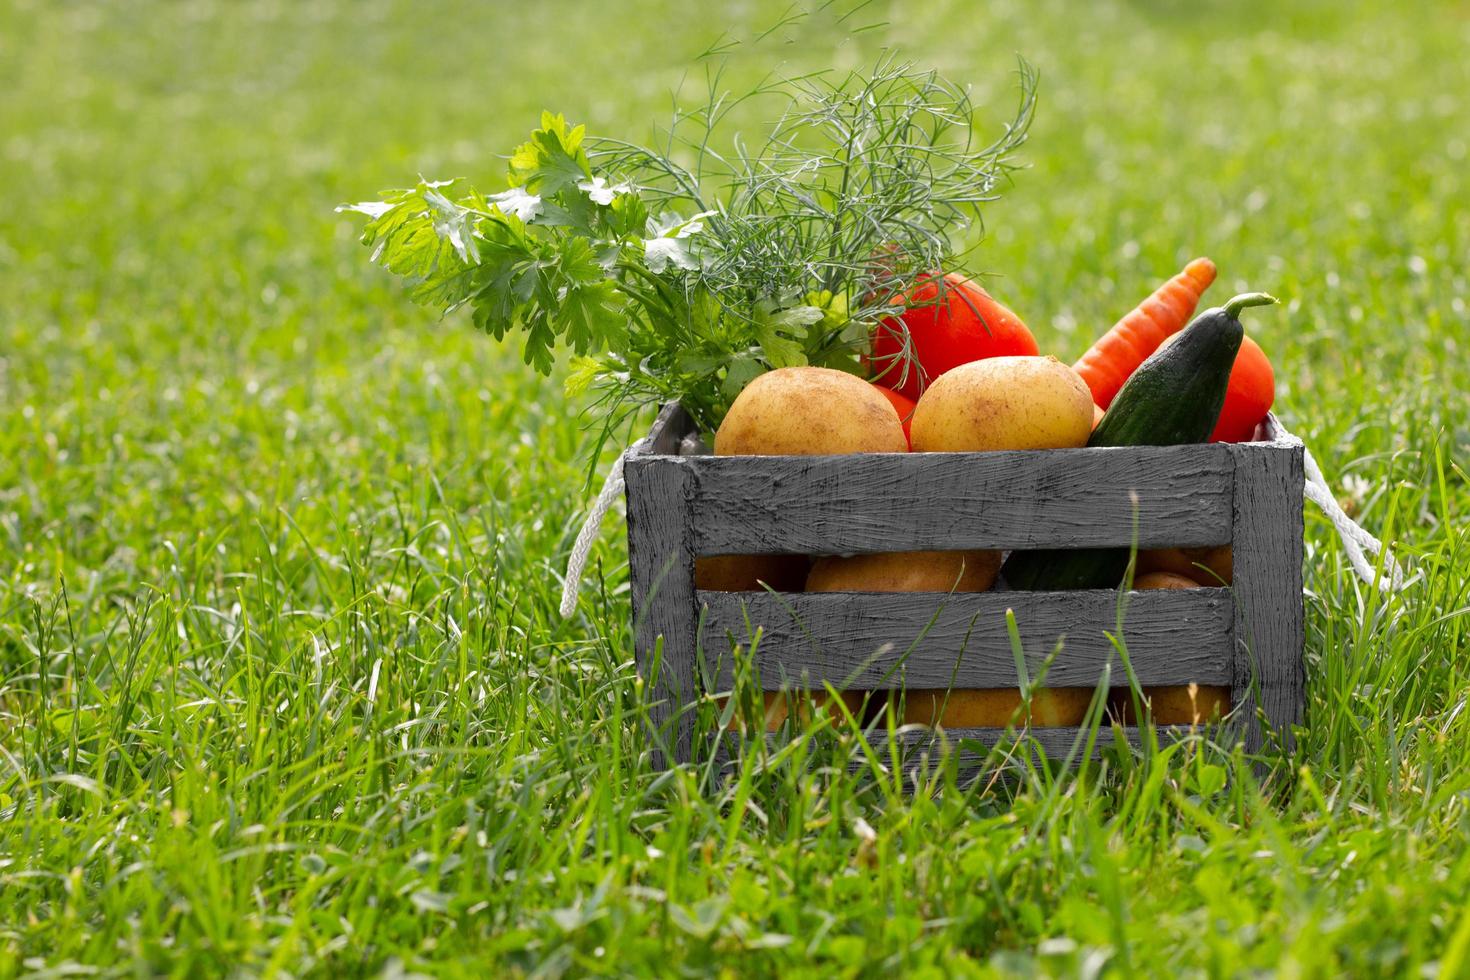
point(283, 687)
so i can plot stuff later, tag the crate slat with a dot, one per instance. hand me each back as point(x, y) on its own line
point(1072, 498)
point(863, 641)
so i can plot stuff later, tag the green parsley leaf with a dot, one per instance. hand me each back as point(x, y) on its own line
point(591, 317)
point(552, 160)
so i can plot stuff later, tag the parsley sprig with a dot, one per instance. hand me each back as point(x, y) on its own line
point(683, 271)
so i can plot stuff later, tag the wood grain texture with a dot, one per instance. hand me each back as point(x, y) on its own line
point(661, 569)
point(682, 502)
point(865, 641)
point(1072, 498)
point(1269, 630)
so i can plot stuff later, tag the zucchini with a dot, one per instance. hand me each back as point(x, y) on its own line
point(1174, 398)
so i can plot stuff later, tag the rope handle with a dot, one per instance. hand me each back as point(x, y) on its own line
point(1358, 543)
point(612, 489)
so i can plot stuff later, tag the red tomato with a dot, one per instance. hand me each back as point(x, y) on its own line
point(966, 325)
point(1249, 397)
point(904, 407)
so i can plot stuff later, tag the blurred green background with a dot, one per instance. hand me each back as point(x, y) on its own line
point(170, 171)
point(171, 167)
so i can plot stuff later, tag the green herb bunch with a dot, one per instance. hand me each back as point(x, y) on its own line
point(683, 271)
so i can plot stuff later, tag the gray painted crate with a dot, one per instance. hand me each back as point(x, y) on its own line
point(684, 503)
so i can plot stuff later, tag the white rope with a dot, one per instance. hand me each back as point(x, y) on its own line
point(612, 489)
point(1358, 543)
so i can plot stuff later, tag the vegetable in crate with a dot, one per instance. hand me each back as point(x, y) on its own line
point(1004, 403)
point(946, 322)
point(684, 270)
point(906, 571)
point(1173, 399)
point(778, 704)
point(1206, 566)
point(1182, 704)
point(1249, 397)
point(750, 573)
point(997, 707)
point(993, 404)
point(799, 411)
point(1163, 580)
point(809, 411)
point(1119, 352)
point(1177, 704)
point(934, 571)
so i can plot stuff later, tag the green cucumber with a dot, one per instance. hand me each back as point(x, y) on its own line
point(1173, 399)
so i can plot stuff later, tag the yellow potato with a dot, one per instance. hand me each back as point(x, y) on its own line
point(1218, 562)
point(1163, 580)
point(997, 707)
point(1001, 403)
point(778, 706)
point(1004, 403)
point(809, 411)
point(906, 571)
point(799, 411)
point(1183, 704)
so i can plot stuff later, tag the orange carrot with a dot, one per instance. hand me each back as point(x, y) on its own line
point(1118, 352)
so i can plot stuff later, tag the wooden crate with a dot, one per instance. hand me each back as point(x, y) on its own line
point(684, 503)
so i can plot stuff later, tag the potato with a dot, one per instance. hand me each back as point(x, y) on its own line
point(753, 573)
point(906, 571)
point(778, 706)
point(1218, 562)
point(800, 411)
point(750, 573)
point(997, 403)
point(1184, 704)
point(809, 411)
point(1163, 580)
point(1004, 403)
point(997, 707)
point(1001, 403)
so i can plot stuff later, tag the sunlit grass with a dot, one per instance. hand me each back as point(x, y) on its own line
point(282, 683)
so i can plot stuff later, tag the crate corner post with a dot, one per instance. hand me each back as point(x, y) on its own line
point(1269, 615)
point(661, 572)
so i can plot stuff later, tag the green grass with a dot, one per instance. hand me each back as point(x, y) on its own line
point(282, 684)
